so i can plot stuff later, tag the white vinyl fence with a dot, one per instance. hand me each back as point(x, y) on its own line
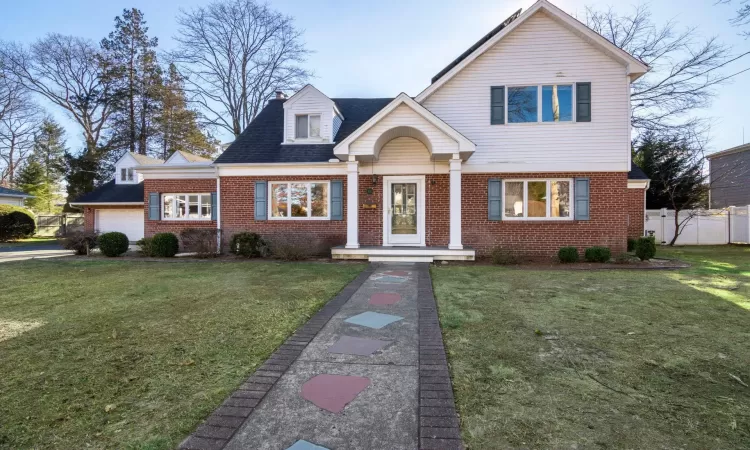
point(706, 227)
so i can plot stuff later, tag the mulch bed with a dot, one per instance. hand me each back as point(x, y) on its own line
point(654, 264)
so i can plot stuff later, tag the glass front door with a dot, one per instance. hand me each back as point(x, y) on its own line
point(404, 208)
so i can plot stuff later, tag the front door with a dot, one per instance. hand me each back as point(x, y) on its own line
point(404, 212)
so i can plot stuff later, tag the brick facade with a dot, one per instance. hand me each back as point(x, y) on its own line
point(176, 186)
point(636, 212)
point(238, 214)
point(607, 226)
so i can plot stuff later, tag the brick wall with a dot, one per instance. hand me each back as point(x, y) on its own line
point(238, 214)
point(636, 212)
point(186, 186)
point(89, 214)
point(607, 226)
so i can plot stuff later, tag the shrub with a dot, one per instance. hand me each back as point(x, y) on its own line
point(597, 254)
point(145, 246)
point(80, 241)
point(15, 223)
point(645, 248)
point(631, 244)
point(291, 251)
point(502, 257)
point(201, 241)
point(568, 255)
point(249, 245)
point(164, 245)
point(113, 244)
point(622, 258)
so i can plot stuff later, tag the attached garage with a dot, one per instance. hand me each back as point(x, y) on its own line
point(128, 221)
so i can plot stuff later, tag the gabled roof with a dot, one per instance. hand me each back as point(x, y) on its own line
point(635, 67)
point(189, 157)
point(261, 142)
point(310, 88)
point(8, 192)
point(112, 192)
point(737, 149)
point(145, 160)
point(636, 173)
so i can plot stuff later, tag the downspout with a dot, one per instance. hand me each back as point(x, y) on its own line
point(218, 210)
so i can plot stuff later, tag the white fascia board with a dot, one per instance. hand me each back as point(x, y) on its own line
point(181, 171)
point(464, 144)
point(301, 93)
point(17, 195)
point(281, 169)
point(639, 184)
point(128, 156)
point(108, 204)
point(635, 68)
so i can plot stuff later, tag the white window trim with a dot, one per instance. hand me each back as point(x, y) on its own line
point(174, 207)
point(309, 138)
point(539, 104)
point(289, 202)
point(525, 217)
point(130, 175)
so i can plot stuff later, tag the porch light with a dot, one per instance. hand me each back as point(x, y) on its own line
point(374, 180)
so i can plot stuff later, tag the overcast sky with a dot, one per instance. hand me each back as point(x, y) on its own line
point(379, 49)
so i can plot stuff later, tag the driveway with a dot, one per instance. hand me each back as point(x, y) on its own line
point(32, 252)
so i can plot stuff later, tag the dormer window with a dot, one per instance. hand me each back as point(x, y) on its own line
point(307, 126)
point(126, 174)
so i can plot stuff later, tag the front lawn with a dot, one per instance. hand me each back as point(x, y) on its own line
point(132, 355)
point(602, 359)
point(32, 241)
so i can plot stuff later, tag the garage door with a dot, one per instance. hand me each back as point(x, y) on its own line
point(128, 221)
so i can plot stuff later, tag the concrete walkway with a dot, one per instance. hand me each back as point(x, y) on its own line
point(369, 373)
point(41, 251)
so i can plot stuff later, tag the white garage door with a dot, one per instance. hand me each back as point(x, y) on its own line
point(128, 221)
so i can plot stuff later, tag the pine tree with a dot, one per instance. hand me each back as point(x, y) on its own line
point(133, 55)
point(32, 180)
point(49, 151)
point(177, 124)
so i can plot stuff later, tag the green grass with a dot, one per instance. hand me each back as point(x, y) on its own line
point(133, 355)
point(602, 359)
point(40, 240)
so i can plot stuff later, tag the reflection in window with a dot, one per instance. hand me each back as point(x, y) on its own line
point(168, 206)
point(307, 126)
point(299, 200)
point(514, 199)
point(537, 198)
point(279, 200)
point(187, 206)
point(557, 103)
point(560, 199)
point(319, 199)
point(192, 207)
point(522, 104)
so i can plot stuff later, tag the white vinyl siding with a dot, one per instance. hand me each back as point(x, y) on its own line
point(404, 155)
point(540, 52)
point(314, 103)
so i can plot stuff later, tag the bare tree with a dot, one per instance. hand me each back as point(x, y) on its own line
point(17, 127)
point(742, 15)
point(684, 69)
point(71, 73)
point(234, 54)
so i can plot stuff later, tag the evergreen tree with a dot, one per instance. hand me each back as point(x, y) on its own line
point(138, 86)
point(49, 151)
point(32, 180)
point(177, 124)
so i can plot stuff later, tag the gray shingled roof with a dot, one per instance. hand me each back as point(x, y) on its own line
point(261, 140)
point(146, 160)
point(13, 192)
point(112, 192)
point(636, 173)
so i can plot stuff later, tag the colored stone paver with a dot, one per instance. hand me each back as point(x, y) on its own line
point(333, 392)
point(385, 299)
point(373, 319)
point(351, 378)
point(349, 345)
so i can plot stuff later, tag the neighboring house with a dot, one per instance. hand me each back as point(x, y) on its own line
point(12, 197)
point(729, 175)
point(522, 142)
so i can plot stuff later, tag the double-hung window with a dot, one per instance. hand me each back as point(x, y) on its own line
point(126, 174)
point(557, 103)
point(186, 206)
point(537, 199)
point(307, 126)
point(540, 103)
point(299, 200)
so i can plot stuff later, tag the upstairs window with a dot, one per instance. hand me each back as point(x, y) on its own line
point(126, 174)
point(522, 104)
point(307, 126)
point(557, 103)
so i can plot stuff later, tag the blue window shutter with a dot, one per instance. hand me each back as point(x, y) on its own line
point(153, 206)
point(337, 200)
point(214, 206)
point(497, 105)
point(581, 193)
point(261, 200)
point(583, 102)
point(495, 199)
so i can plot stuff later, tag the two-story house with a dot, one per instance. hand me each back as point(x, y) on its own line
point(522, 142)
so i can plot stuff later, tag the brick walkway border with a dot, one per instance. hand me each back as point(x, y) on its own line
point(439, 428)
point(216, 431)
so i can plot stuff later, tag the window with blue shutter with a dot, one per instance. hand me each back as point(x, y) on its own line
point(153, 206)
point(495, 199)
point(337, 200)
point(581, 193)
point(261, 200)
point(583, 102)
point(497, 105)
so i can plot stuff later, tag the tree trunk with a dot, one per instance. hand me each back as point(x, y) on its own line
point(131, 97)
point(677, 227)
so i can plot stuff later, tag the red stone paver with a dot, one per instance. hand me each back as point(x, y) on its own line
point(333, 392)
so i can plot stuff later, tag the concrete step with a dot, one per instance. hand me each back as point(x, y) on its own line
point(400, 258)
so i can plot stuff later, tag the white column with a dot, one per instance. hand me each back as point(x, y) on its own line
point(455, 204)
point(352, 204)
